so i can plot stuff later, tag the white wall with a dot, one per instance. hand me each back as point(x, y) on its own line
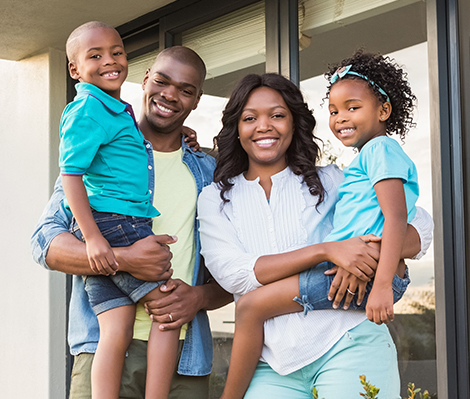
point(32, 300)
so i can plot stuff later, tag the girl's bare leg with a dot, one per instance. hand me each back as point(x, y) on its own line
point(251, 311)
point(161, 355)
point(116, 330)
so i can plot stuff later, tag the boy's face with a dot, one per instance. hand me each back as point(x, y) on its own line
point(100, 60)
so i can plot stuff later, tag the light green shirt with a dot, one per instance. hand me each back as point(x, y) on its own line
point(175, 197)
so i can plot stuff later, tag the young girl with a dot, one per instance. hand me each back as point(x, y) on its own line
point(369, 99)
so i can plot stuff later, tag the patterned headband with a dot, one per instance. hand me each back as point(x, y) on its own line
point(346, 70)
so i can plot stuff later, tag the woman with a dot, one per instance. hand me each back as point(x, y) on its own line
point(264, 219)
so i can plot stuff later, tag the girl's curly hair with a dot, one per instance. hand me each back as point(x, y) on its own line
point(303, 152)
point(390, 77)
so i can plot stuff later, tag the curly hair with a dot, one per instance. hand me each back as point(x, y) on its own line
point(303, 152)
point(389, 76)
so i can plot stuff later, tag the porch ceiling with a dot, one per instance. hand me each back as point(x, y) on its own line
point(27, 27)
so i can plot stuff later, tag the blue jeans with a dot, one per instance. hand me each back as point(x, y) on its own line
point(108, 292)
point(314, 287)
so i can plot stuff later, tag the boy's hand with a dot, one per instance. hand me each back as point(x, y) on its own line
point(101, 256)
point(379, 308)
point(190, 137)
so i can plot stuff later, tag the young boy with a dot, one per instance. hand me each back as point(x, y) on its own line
point(105, 175)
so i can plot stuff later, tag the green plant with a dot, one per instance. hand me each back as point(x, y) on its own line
point(412, 392)
point(372, 392)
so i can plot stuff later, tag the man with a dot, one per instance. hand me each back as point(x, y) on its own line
point(172, 89)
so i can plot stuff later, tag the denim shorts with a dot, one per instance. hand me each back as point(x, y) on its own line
point(314, 286)
point(108, 292)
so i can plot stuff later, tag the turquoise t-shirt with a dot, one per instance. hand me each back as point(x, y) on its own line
point(358, 211)
point(100, 140)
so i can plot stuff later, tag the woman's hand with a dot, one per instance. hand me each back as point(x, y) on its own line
point(190, 137)
point(356, 256)
point(345, 285)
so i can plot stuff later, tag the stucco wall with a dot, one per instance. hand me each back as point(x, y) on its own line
point(32, 300)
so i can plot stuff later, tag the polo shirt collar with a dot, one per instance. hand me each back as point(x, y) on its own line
point(109, 102)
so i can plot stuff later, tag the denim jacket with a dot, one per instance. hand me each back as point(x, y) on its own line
point(83, 333)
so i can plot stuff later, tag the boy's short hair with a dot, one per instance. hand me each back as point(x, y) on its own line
point(72, 44)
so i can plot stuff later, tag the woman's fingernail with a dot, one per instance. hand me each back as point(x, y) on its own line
point(330, 298)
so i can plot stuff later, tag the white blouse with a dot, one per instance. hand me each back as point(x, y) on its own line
point(235, 234)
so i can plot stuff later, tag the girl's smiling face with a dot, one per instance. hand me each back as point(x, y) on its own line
point(265, 129)
point(356, 114)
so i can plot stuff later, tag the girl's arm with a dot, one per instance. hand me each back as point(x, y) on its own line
point(100, 254)
point(391, 197)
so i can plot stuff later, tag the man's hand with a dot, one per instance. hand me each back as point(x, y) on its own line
point(182, 303)
point(147, 259)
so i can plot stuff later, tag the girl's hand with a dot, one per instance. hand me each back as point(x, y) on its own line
point(356, 256)
point(101, 256)
point(379, 308)
point(343, 284)
point(190, 137)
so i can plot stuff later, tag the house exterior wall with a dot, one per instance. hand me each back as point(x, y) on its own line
point(32, 361)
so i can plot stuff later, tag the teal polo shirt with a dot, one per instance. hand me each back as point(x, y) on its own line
point(100, 140)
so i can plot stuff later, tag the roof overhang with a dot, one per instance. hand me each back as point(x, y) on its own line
point(30, 26)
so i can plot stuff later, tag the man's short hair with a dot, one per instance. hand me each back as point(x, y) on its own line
point(187, 56)
point(72, 44)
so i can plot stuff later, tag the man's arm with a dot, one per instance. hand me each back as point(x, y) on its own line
point(147, 259)
point(55, 248)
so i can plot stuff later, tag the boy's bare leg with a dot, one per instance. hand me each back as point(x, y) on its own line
point(116, 330)
point(251, 311)
point(162, 350)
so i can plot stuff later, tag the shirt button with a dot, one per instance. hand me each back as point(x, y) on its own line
point(150, 167)
point(150, 191)
point(148, 145)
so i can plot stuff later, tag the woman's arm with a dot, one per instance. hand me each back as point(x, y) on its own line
point(353, 255)
point(239, 272)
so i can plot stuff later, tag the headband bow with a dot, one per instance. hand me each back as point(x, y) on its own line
point(346, 70)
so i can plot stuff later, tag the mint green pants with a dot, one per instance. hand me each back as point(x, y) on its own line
point(366, 349)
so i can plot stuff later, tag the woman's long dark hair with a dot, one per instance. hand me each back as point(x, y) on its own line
point(303, 152)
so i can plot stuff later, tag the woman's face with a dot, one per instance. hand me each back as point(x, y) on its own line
point(265, 129)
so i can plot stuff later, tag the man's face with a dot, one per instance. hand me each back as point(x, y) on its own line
point(171, 91)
